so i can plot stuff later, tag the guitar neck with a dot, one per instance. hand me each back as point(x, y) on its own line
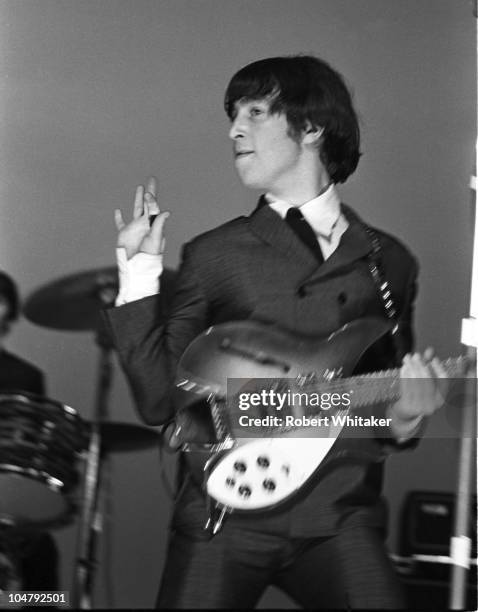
point(378, 387)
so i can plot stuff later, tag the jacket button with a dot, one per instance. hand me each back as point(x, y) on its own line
point(302, 291)
point(341, 298)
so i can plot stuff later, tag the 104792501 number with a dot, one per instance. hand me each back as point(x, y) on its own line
point(11, 599)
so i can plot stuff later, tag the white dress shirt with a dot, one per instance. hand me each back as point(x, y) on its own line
point(138, 276)
point(324, 216)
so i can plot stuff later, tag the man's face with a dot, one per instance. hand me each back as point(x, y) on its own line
point(265, 155)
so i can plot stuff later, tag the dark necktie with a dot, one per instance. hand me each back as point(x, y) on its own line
point(296, 221)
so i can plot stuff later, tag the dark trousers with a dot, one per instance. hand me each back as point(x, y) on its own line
point(350, 570)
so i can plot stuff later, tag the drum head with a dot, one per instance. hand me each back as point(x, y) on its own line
point(40, 442)
point(27, 502)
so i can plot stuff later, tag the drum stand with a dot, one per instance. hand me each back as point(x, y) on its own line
point(90, 522)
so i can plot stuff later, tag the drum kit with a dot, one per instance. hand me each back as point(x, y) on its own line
point(43, 443)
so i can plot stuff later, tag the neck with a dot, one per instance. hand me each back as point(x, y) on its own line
point(303, 188)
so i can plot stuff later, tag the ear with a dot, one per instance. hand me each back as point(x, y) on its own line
point(312, 134)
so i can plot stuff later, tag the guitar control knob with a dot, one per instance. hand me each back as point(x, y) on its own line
point(263, 461)
point(240, 466)
point(230, 482)
point(269, 484)
point(245, 491)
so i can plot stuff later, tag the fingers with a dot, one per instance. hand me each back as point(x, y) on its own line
point(119, 220)
point(151, 195)
point(416, 366)
point(152, 186)
point(413, 367)
point(437, 368)
point(138, 208)
point(151, 206)
point(419, 366)
point(423, 389)
point(157, 230)
point(430, 363)
point(428, 354)
point(145, 199)
point(153, 242)
point(441, 380)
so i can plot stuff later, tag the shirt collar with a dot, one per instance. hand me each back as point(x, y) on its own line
point(322, 212)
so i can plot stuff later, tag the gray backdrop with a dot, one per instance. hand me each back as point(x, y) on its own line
point(97, 95)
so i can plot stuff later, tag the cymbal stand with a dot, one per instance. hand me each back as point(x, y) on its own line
point(91, 520)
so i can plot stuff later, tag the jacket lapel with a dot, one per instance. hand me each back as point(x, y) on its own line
point(355, 244)
point(271, 228)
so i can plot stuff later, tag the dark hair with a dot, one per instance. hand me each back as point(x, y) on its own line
point(305, 89)
point(9, 295)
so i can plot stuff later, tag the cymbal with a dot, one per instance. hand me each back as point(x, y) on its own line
point(74, 302)
point(126, 437)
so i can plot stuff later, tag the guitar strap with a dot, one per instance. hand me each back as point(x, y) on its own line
point(383, 289)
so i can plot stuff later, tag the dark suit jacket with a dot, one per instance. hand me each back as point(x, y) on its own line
point(16, 374)
point(256, 268)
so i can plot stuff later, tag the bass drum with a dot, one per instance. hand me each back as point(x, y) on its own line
point(40, 443)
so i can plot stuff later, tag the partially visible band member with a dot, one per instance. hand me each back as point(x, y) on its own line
point(36, 557)
point(15, 373)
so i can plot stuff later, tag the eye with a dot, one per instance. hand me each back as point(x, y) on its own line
point(256, 111)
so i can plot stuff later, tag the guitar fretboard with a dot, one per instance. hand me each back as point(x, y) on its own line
point(374, 388)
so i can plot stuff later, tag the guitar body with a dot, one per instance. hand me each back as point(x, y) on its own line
point(260, 473)
point(247, 349)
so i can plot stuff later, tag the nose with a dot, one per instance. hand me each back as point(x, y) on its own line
point(238, 128)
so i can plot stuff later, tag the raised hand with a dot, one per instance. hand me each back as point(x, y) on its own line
point(145, 232)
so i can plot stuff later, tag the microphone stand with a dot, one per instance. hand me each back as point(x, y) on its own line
point(91, 520)
point(460, 543)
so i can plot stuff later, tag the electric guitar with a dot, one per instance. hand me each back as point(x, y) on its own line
point(263, 469)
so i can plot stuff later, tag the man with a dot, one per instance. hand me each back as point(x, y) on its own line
point(35, 554)
point(15, 373)
point(295, 135)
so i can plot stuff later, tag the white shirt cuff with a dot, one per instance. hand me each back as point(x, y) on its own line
point(138, 276)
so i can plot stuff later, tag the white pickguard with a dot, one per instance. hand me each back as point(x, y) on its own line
point(260, 473)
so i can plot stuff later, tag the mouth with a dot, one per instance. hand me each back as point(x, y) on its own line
point(242, 154)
